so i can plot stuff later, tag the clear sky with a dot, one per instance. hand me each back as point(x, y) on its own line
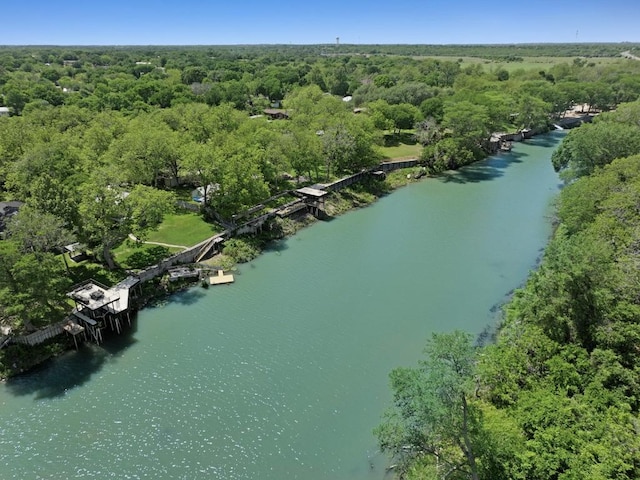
point(216, 22)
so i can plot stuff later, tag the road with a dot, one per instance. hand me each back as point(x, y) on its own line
point(628, 54)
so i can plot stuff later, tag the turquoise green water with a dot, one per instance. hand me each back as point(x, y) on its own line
point(284, 373)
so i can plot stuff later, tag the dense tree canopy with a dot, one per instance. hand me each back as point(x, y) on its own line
point(88, 126)
point(556, 396)
point(611, 136)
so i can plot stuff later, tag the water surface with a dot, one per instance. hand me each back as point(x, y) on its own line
point(285, 373)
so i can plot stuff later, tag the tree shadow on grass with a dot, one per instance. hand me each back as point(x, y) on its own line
point(85, 270)
point(395, 139)
point(147, 257)
point(73, 369)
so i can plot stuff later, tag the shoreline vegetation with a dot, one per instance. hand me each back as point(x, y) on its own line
point(100, 143)
point(237, 250)
point(555, 394)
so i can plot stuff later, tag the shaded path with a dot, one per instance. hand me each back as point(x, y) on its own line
point(136, 239)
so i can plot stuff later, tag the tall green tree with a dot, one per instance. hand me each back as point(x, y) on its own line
point(38, 232)
point(434, 414)
point(32, 286)
point(108, 214)
point(595, 145)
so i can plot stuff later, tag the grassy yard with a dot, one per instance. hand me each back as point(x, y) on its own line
point(132, 255)
point(87, 269)
point(183, 228)
point(401, 150)
point(400, 145)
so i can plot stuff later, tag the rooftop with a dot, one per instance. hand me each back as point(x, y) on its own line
point(94, 295)
point(311, 192)
point(7, 207)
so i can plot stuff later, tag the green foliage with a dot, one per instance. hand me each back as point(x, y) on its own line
point(241, 250)
point(594, 145)
point(433, 413)
point(565, 365)
point(32, 286)
point(89, 124)
point(141, 256)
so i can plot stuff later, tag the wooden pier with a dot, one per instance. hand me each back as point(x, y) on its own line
point(221, 278)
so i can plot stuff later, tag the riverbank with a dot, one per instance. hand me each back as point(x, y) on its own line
point(285, 373)
point(19, 359)
point(238, 250)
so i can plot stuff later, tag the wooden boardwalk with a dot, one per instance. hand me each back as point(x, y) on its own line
point(221, 278)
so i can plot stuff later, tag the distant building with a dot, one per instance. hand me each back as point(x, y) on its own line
point(276, 114)
point(4, 111)
point(198, 194)
point(8, 210)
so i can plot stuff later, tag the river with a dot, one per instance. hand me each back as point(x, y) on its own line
point(285, 373)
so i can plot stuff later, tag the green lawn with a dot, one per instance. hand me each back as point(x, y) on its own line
point(87, 269)
point(182, 229)
point(402, 150)
point(400, 145)
point(140, 255)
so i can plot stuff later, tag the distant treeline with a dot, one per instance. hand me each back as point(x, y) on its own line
point(285, 52)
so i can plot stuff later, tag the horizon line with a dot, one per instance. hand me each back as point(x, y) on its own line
point(52, 45)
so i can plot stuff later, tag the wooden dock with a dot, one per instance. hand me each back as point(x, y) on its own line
point(221, 278)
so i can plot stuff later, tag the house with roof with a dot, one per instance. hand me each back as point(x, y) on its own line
point(4, 111)
point(8, 210)
point(276, 114)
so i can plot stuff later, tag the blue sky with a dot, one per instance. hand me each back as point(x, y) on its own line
point(191, 22)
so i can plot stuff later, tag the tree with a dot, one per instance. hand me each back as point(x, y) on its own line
point(108, 214)
point(384, 81)
point(32, 288)
point(427, 132)
point(468, 122)
point(148, 151)
point(193, 75)
point(338, 146)
point(38, 232)
point(533, 112)
point(447, 153)
point(241, 182)
point(303, 149)
point(434, 414)
point(595, 145)
point(201, 161)
point(404, 116)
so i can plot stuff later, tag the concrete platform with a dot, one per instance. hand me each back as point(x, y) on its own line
point(221, 278)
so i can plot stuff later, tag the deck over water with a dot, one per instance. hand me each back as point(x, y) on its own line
point(220, 278)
